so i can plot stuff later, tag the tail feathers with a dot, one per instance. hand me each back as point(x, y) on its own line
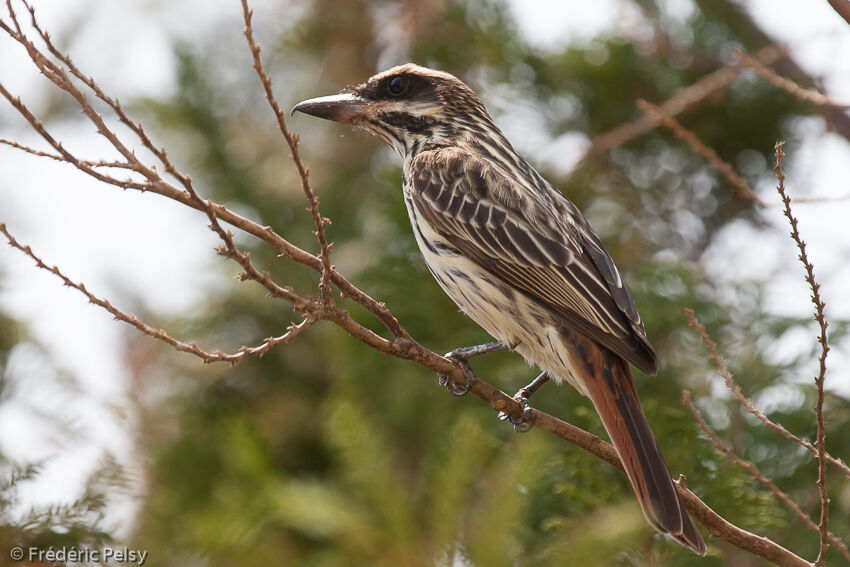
point(690, 534)
point(609, 383)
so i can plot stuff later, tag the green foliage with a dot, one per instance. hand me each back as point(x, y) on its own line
point(80, 522)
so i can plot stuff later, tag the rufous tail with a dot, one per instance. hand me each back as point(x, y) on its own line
point(612, 390)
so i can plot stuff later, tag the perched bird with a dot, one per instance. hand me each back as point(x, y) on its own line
point(518, 258)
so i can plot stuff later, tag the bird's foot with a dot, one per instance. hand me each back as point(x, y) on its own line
point(525, 422)
point(453, 387)
point(461, 356)
point(527, 390)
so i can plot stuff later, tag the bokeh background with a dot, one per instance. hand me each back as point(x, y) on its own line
point(326, 453)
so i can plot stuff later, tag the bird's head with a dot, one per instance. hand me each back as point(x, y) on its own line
point(411, 108)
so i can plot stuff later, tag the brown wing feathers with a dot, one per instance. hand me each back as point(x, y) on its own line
point(476, 209)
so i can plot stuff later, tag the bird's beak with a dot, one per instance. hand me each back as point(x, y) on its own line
point(344, 107)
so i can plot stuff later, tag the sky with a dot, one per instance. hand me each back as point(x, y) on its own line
point(64, 217)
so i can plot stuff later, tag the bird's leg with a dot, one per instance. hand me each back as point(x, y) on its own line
point(462, 355)
point(526, 421)
point(526, 391)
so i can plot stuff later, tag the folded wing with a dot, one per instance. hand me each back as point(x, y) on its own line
point(535, 241)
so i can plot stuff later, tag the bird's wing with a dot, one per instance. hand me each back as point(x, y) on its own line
point(541, 245)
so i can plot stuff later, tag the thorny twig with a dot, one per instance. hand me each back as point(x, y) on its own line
point(822, 339)
point(757, 474)
point(786, 84)
point(684, 99)
point(154, 182)
point(29, 150)
point(709, 154)
point(292, 140)
point(826, 538)
point(746, 402)
point(129, 318)
point(60, 78)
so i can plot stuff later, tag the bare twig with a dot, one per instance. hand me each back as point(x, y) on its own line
point(757, 474)
point(108, 164)
point(67, 156)
point(61, 79)
point(292, 141)
point(155, 183)
point(817, 200)
point(684, 99)
point(746, 402)
point(42, 62)
point(709, 154)
point(30, 150)
point(786, 84)
point(822, 339)
point(129, 318)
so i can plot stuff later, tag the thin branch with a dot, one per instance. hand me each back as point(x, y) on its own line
point(822, 339)
point(684, 99)
point(786, 84)
point(754, 471)
point(67, 156)
point(292, 141)
point(817, 200)
point(60, 78)
point(129, 318)
point(58, 157)
point(30, 150)
point(114, 104)
point(500, 401)
point(709, 154)
point(155, 183)
point(746, 402)
point(229, 250)
point(721, 528)
point(263, 278)
point(109, 164)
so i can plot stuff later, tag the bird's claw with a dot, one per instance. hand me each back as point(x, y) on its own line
point(525, 422)
point(462, 355)
point(459, 355)
point(453, 387)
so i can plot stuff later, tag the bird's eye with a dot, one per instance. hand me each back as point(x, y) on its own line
point(398, 85)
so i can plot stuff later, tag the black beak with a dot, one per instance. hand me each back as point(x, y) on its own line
point(344, 107)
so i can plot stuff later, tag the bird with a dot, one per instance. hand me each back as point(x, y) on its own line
point(518, 258)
